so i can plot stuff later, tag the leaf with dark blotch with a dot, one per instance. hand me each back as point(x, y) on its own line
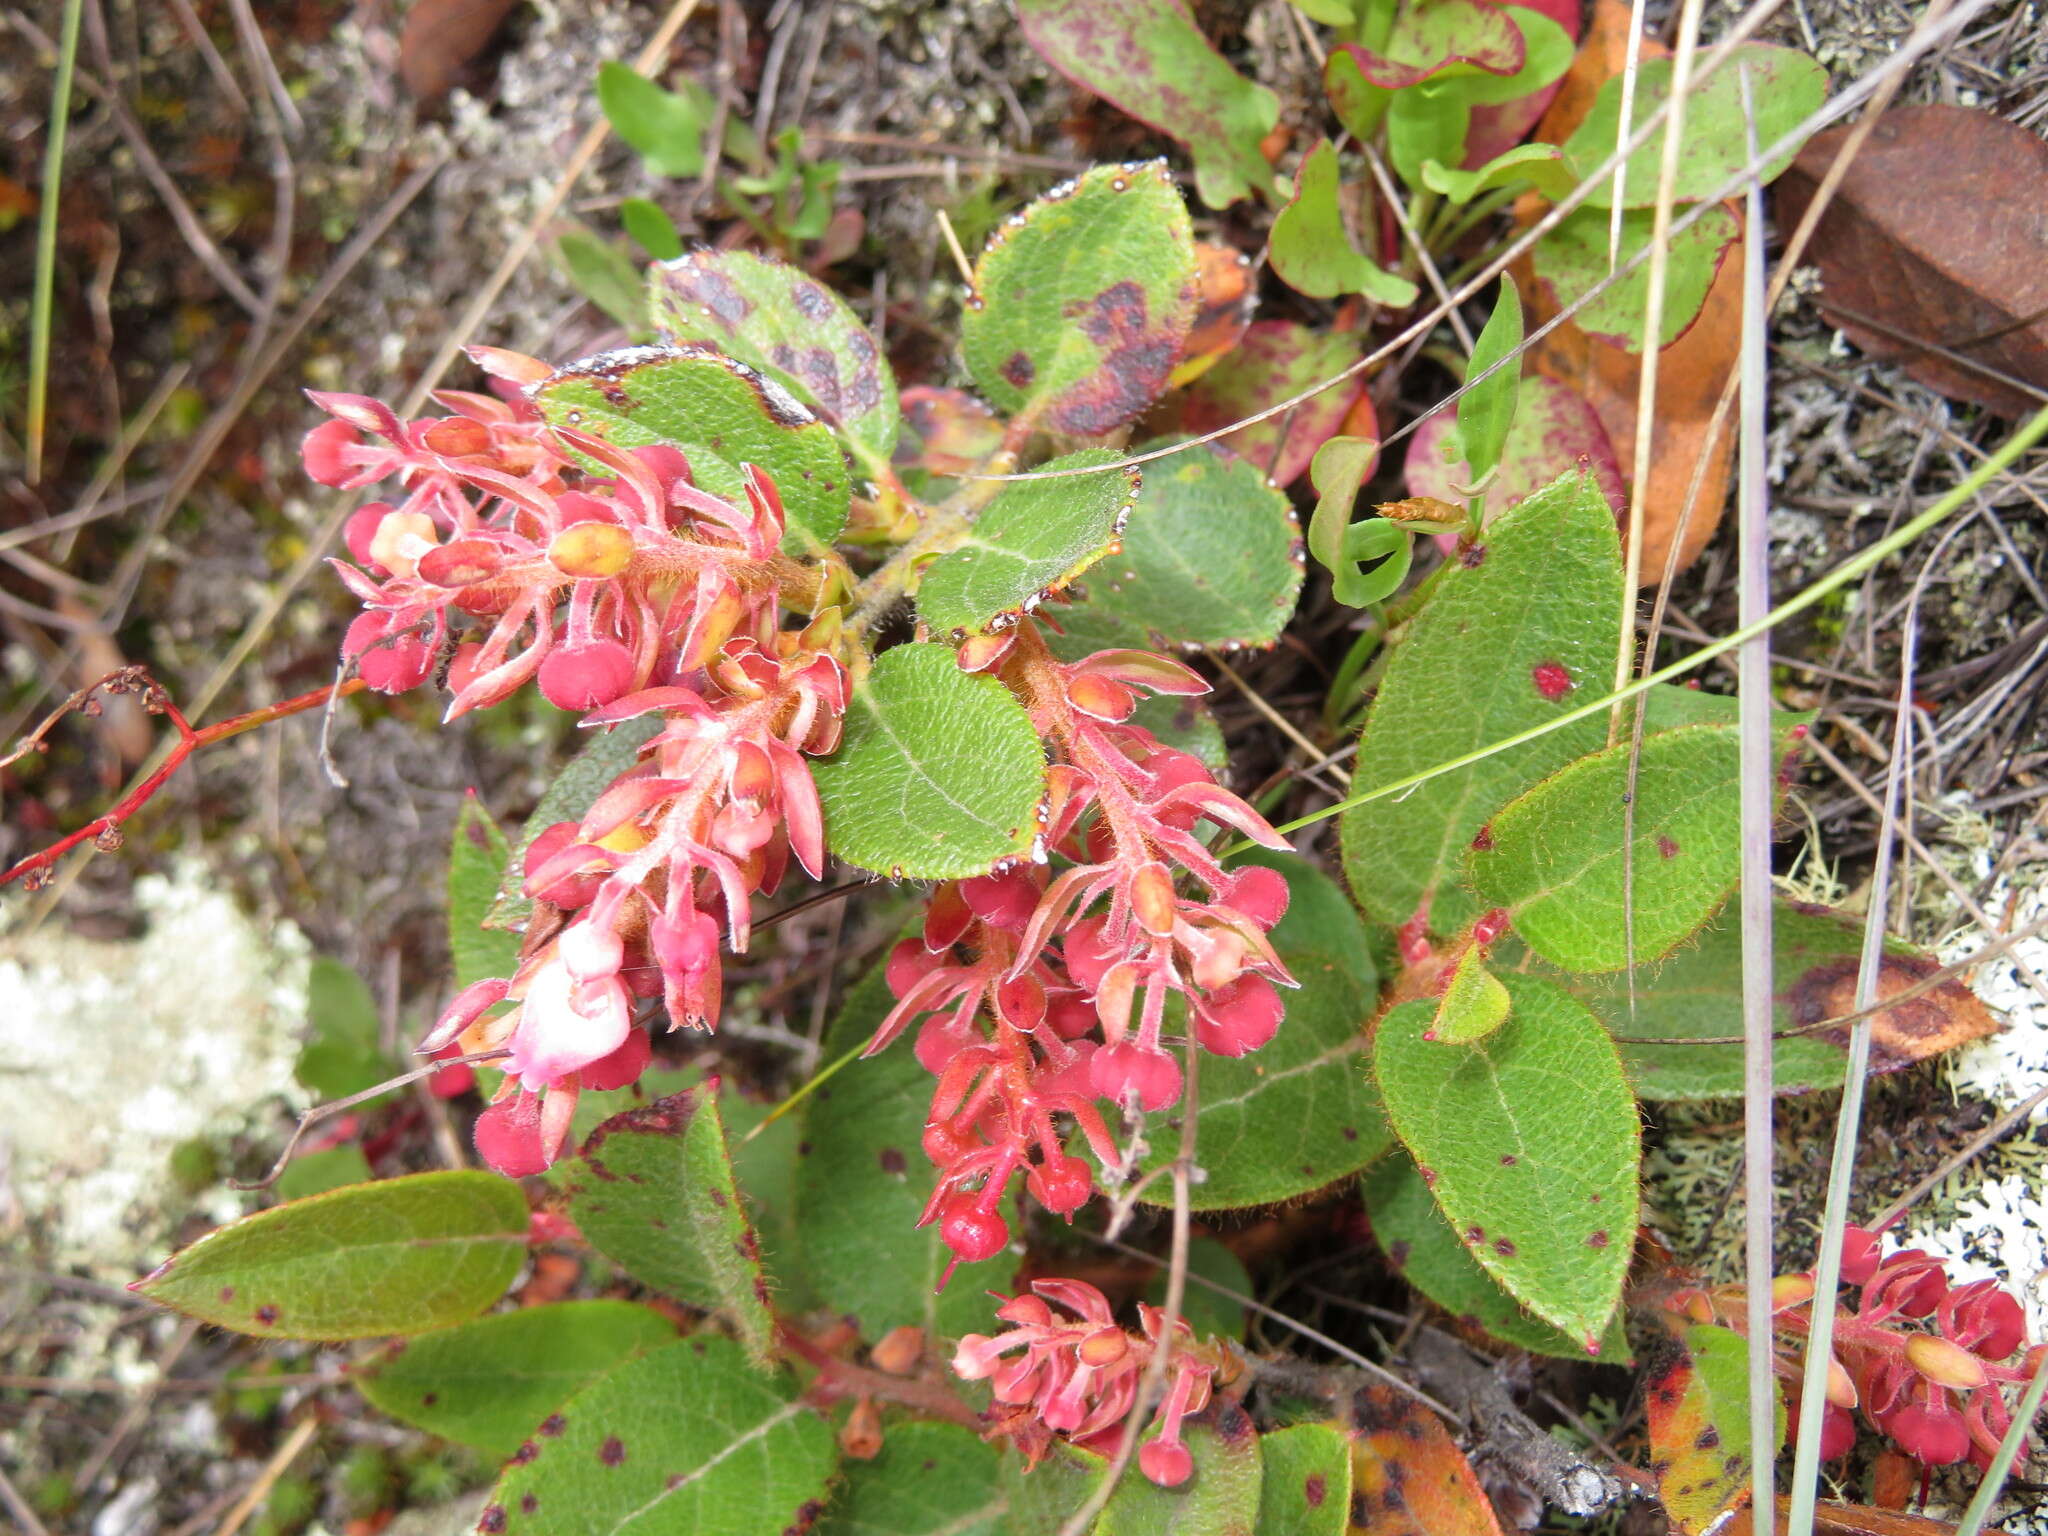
point(399, 1256)
point(1313, 253)
point(1306, 1486)
point(1408, 1477)
point(487, 1383)
point(1151, 59)
point(682, 1441)
point(1786, 87)
point(1555, 432)
point(931, 1479)
point(862, 1180)
point(949, 431)
point(1557, 859)
point(710, 405)
point(1697, 1403)
point(1430, 1256)
point(1210, 557)
point(940, 772)
point(1516, 630)
point(1082, 301)
point(1033, 539)
point(1529, 1143)
point(478, 856)
point(790, 326)
point(1572, 260)
point(1935, 235)
point(1277, 360)
point(572, 792)
point(654, 1192)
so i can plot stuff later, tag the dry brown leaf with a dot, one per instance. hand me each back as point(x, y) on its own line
point(1936, 234)
point(1691, 372)
point(441, 37)
point(1854, 1520)
point(1910, 1030)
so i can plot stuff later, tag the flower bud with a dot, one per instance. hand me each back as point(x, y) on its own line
point(508, 1137)
point(400, 662)
point(580, 677)
point(1932, 1435)
point(361, 528)
point(324, 452)
point(1105, 1346)
point(1152, 899)
point(973, 1232)
point(1944, 1363)
point(1237, 1019)
point(1789, 1291)
point(1167, 1465)
point(1124, 1068)
point(899, 1350)
point(401, 538)
point(1061, 1184)
point(1859, 1255)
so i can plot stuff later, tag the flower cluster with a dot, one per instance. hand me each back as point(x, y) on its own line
point(621, 594)
point(1078, 1376)
point(1034, 1003)
point(1937, 1392)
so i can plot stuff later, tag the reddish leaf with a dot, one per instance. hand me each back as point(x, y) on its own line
point(1497, 129)
point(1408, 1477)
point(1276, 360)
point(441, 38)
point(950, 431)
point(1936, 235)
point(1905, 1032)
point(1698, 1409)
point(1853, 1520)
point(1555, 431)
point(1228, 298)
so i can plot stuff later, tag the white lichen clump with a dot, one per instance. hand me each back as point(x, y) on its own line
point(118, 1052)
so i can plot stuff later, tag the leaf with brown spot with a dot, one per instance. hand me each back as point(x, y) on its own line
point(1306, 1490)
point(1936, 236)
point(1698, 1407)
point(1082, 301)
point(1276, 360)
point(654, 1192)
point(948, 431)
point(1408, 1476)
point(1151, 59)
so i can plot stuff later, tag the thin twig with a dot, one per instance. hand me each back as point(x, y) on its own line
point(20, 1508)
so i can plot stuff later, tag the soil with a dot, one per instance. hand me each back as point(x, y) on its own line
point(175, 417)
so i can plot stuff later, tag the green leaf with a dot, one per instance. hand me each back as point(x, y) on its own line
point(862, 1182)
point(1221, 1498)
point(487, 1383)
point(400, 1256)
point(793, 328)
point(669, 128)
point(1531, 1144)
point(1541, 166)
point(1210, 1313)
point(1696, 991)
point(931, 1479)
point(603, 274)
point(1698, 1411)
point(1294, 1115)
point(1430, 1257)
point(478, 857)
point(651, 228)
point(654, 1192)
point(1474, 1003)
point(342, 1054)
point(710, 406)
point(1033, 538)
point(606, 755)
point(1082, 301)
point(1343, 547)
point(1786, 87)
point(315, 1173)
point(1487, 409)
point(939, 774)
point(1555, 855)
point(1533, 608)
point(1209, 559)
point(1149, 58)
point(1555, 432)
point(1426, 121)
point(1306, 1486)
point(1275, 361)
point(1572, 260)
point(1311, 250)
point(681, 1441)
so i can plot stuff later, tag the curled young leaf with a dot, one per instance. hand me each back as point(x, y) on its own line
point(1343, 547)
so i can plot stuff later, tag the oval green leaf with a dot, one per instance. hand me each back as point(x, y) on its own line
point(1033, 538)
point(710, 406)
point(478, 857)
point(684, 1441)
point(1530, 1143)
point(939, 774)
point(790, 326)
point(1305, 1488)
point(1511, 636)
point(1082, 301)
point(400, 1256)
point(1221, 1496)
point(1211, 557)
point(654, 1191)
point(1311, 250)
point(487, 1383)
point(1572, 260)
point(931, 1479)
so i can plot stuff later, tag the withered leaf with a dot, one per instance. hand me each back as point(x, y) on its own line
point(1854, 1520)
point(1936, 236)
point(440, 40)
